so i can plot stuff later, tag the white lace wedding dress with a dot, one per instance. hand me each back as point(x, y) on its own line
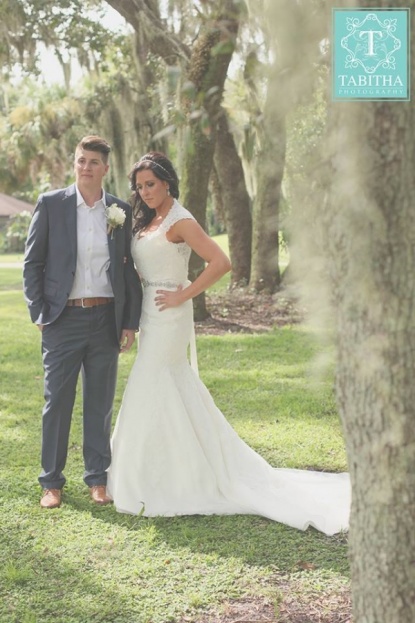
point(174, 453)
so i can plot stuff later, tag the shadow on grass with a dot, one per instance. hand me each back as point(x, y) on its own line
point(254, 540)
point(251, 539)
point(53, 589)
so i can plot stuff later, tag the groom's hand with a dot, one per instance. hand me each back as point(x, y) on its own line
point(127, 340)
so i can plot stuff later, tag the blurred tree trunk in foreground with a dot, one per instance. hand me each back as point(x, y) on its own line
point(362, 194)
point(371, 245)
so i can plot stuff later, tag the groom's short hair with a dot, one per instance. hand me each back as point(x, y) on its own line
point(95, 143)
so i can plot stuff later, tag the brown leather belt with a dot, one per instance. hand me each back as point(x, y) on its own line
point(90, 302)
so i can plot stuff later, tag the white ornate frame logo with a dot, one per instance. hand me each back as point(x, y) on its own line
point(371, 48)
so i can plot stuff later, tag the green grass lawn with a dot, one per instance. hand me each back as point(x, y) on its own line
point(86, 564)
point(10, 278)
point(11, 258)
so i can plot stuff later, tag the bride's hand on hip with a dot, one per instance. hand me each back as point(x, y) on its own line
point(169, 298)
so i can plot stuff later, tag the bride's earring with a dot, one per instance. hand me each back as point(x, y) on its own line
point(168, 192)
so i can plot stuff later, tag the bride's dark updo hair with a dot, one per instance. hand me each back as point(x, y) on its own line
point(162, 168)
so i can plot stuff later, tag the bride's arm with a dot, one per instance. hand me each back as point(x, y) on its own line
point(217, 263)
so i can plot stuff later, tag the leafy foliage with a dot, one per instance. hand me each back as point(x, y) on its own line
point(66, 25)
point(16, 232)
point(38, 132)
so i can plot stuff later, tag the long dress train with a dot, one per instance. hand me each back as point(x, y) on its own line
point(173, 451)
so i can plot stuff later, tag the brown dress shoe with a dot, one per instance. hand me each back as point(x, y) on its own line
point(99, 494)
point(51, 498)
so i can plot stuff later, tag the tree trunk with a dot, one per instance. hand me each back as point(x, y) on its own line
point(372, 257)
point(265, 273)
point(293, 34)
point(216, 195)
point(206, 72)
point(372, 234)
point(236, 202)
point(197, 167)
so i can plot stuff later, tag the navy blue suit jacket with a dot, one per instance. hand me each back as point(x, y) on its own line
point(50, 260)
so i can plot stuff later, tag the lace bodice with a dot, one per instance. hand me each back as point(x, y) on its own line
point(157, 259)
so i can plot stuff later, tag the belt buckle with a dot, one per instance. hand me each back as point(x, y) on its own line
point(82, 303)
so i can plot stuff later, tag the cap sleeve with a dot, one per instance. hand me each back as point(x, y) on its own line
point(177, 213)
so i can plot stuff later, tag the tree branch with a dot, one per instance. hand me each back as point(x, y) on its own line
point(144, 18)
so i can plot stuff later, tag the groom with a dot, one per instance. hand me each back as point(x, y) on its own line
point(85, 296)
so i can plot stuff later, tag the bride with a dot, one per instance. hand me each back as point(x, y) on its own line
point(173, 452)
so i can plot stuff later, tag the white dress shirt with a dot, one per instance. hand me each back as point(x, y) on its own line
point(93, 260)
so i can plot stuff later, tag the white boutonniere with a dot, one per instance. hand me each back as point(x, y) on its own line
point(115, 218)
